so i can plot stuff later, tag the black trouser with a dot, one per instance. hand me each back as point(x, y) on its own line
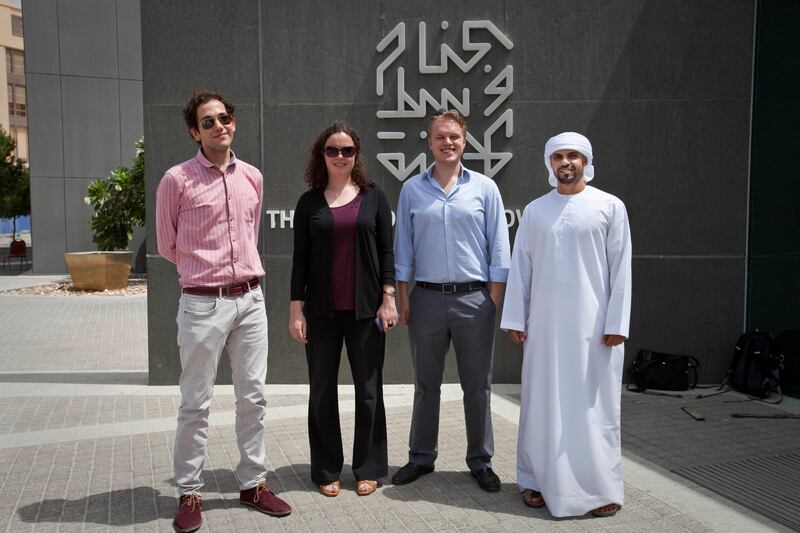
point(365, 349)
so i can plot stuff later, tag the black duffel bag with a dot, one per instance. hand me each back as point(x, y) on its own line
point(663, 371)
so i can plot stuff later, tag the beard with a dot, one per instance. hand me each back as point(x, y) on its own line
point(570, 178)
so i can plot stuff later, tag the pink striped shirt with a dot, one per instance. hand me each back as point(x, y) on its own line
point(207, 222)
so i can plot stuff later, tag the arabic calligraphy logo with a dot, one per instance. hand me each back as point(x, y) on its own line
point(500, 87)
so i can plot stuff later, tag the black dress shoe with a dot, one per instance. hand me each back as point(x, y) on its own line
point(487, 479)
point(410, 473)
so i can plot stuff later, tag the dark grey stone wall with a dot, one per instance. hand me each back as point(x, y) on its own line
point(661, 89)
point(83, 65)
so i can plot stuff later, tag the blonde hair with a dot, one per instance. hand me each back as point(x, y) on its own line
point(447, 114)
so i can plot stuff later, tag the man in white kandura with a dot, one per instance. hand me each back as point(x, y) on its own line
point(568, 300)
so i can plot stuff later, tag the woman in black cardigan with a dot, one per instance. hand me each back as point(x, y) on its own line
point(343, 291)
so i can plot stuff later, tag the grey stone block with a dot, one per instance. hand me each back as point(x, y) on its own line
point(129, 39)
point(229, 61)
point(41, 37)
point(348, 70)
point(44, 125)
point(564, 51)
point(672, 310)
point(163, 361)
point(78, 213)
point(88, 53)
point(131, 119)
point(90, 151)
point(676, 48)
point(48, 225)
point(677, 205)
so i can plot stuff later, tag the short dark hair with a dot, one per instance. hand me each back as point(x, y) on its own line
point(447, 114)
point(317, 170)
point(199, 98)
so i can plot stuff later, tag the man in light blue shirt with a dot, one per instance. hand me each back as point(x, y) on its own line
point(452, 238)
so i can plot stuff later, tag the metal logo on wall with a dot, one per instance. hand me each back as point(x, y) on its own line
point(500, 87)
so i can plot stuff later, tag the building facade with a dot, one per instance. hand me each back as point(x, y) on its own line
point(84, 74)
point(14, 116)
point(689, 106)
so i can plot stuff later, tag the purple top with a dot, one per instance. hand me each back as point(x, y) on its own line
point(343, 266)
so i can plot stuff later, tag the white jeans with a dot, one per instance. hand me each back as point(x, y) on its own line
point(206, 324)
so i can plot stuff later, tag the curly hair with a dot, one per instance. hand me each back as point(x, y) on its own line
point(199, 98)
point(317, 170)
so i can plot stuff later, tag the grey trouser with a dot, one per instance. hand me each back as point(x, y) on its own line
point(206, 324)
point(468, 320)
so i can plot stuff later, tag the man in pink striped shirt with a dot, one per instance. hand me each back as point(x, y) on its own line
point(208, 211)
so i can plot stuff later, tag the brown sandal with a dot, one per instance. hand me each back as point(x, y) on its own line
point(331, 489)
point(606, 510)
point(532, 498)
point(366, 487)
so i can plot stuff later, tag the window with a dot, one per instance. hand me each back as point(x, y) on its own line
point(16, 25)
point(15, 62)
point(17, 102)
point(21, 136)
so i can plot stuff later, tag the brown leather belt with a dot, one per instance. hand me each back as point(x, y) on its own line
point(230, 290)
point(452, 288)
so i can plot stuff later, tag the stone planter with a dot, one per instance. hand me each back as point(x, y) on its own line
point(98, 271)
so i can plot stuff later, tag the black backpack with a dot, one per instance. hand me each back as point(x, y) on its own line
point(663, 371)
point(755, 368)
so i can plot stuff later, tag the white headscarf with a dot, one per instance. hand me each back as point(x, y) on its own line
point(569, 140)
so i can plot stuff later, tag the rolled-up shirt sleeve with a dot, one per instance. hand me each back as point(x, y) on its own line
point(404, 240)
point(497, 237)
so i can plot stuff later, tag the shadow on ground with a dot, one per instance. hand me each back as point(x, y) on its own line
point(465, 494)
point(136, 505)
point(131, 506)
point(143, 504)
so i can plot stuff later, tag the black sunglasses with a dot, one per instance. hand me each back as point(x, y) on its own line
point(208, 122)
point(346, 151)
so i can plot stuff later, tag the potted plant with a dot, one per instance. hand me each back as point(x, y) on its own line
point(119, 206)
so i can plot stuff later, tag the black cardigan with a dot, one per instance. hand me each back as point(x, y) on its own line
point(311, 266)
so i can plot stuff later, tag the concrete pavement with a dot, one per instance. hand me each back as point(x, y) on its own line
point(86, 446)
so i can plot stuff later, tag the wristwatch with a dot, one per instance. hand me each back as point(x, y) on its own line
point(390, 292)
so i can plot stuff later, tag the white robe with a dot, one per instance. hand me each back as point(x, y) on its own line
point(569, 284)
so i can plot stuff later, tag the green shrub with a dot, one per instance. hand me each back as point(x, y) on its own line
point(118, 202)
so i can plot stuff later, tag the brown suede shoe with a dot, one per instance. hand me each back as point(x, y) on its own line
point(190, 514)
point(262, 499)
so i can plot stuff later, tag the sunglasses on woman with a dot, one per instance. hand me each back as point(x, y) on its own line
point(346, 151)
point(208, 122)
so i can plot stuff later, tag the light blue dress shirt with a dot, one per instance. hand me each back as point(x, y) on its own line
point(451, 238)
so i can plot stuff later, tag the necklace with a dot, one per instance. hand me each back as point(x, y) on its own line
point(337, 194)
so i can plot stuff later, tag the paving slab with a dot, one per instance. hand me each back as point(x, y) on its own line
point(86, 446)
point(72, 334)
point(115, 473)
